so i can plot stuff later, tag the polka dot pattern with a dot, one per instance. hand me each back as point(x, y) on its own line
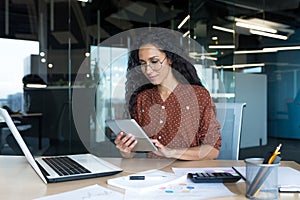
point(187, 118)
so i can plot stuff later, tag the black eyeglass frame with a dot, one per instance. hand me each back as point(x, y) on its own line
point(152, 65)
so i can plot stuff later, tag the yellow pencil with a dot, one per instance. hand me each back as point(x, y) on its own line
point(276, 152)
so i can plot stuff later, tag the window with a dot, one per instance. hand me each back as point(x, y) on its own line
point(15, 63)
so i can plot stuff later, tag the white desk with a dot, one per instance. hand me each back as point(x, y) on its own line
point(19, 181)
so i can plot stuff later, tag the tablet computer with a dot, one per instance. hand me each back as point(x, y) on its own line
point(130, 126)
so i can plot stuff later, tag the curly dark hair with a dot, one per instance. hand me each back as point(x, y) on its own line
point(172, 44)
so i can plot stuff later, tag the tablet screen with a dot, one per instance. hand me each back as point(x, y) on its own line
point(130, 126)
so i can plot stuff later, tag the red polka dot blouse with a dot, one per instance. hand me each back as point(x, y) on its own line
point(187, 118)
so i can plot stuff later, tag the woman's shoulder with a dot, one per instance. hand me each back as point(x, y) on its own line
point(146, 93)
point(197, 88)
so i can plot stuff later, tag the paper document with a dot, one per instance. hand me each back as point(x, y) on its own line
point(161, 185)
point(151, 178)
point(181, 188)
point(288, 178)
point(92, 192)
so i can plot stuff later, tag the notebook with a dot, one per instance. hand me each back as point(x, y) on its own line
point(77, 166)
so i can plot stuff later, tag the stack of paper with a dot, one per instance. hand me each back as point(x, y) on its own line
point(166, 186)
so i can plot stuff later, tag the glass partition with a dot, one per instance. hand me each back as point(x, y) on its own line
point(241, 42)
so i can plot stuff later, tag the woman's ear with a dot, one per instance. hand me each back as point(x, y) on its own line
point(169, 61)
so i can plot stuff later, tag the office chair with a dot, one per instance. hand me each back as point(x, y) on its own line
point(230, 117)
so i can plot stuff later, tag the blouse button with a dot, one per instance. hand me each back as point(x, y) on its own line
point(187, 107)
point(159, 137)
point(161, 121)
point(163, 107)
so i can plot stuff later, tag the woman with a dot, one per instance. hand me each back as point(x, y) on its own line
point(166, 97)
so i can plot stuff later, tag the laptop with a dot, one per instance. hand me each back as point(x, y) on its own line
point(74, 167)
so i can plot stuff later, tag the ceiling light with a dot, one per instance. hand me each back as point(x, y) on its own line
point(255, 51)
point(203, 56)
point(282, 37)
point(35, 85)
point(240, 66)
point(208, 58)
point(50, 65)
point(263, 23)
point(265, 27)
point(42, 54)
point(211, 54)
point(221, 46)
point(223, 29)
point(186, 34)
point(269, 50)
point(256, 27)
point(193, 53)
point(183, 21)
point(282, 48)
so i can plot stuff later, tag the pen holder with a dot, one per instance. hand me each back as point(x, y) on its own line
point(261, 179)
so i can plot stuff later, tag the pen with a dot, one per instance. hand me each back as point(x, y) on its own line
point(274, 155)
point(141, 177)
point(239, 173)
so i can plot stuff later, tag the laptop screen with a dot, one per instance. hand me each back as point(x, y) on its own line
point(21, 142)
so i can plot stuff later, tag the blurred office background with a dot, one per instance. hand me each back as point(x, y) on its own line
point(50, 50)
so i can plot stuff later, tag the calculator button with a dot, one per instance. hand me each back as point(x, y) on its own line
point(216, 177)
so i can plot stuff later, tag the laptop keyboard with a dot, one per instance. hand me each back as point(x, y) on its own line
point(65, 166)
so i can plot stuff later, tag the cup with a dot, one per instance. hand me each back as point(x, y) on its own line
point(261, 179)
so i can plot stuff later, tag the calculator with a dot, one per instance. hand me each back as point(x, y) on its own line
point(214, 177)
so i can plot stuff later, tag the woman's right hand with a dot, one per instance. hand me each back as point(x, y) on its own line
point(125, 143)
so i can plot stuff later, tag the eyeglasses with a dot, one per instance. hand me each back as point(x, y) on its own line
point(154, 64)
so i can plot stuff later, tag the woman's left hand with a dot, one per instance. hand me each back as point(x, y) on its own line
point(163, 150)
point(201, 152)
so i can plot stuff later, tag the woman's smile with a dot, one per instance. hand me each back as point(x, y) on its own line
point(152, 77)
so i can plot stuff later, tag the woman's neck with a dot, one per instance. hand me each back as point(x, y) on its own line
point(167, 88)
